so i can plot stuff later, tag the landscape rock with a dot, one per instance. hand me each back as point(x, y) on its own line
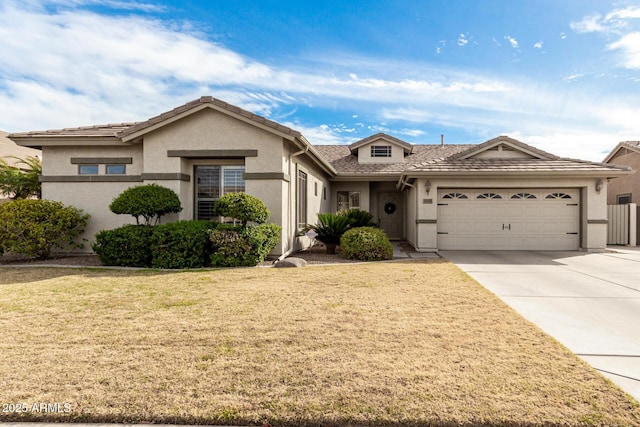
point(291, 262)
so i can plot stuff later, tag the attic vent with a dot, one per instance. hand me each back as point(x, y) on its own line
point(380, 151)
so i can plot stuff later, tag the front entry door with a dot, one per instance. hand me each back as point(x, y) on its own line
point(391, 214)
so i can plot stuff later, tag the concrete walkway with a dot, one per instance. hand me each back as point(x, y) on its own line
point(588, 302)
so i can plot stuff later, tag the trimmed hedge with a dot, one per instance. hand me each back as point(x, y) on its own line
point(366, 244)
point(37, 227)
point(182, 244)
point(238, 246)
point(126, 246)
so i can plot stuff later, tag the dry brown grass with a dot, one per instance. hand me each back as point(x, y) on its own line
point(415, 343)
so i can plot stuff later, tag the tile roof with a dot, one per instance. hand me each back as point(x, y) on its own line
point(209, 100)
point(340, 157)
point(512, 166)
point(112, 129)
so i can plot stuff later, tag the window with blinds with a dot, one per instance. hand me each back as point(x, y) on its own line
point(212, 182)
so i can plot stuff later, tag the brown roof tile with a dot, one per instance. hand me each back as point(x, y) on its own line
point(85, 131)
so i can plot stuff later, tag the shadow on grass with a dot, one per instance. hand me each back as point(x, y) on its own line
point(271, 422)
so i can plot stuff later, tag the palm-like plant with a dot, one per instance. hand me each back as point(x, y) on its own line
point(21, 182)
point(330, 228)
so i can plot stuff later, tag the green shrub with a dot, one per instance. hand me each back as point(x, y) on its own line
point(36, 227)
point(150, 202)
point(126, 246)
point(330, 228)
point(182, 244)
point(243, 207)
point(359, 217)
point(237, 246)
point(366, 244)
point(21, 182)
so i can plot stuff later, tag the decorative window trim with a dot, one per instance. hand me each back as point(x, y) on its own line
point(455, 196)
point(488, 196)
point(381, 151)
point(523, 196)
point(558, 195)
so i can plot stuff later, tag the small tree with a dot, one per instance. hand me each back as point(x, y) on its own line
point(243, 207)
point(21, 182)
point(36, 227)
point(150, 202)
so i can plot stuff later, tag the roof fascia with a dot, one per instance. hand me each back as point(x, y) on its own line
point(514, 144)
point(614, 173)
point(60, 141)
point(618, 147)
point(197, 108)
point(315, 155)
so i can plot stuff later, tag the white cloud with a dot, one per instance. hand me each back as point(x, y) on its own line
point(538, 45)
point(589, 24)
point(630, 47)
point(462, 40)
point(512, 41)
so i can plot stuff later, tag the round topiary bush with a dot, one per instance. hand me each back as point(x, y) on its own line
point(150, 202)
point(366, 244)
point(243, 207)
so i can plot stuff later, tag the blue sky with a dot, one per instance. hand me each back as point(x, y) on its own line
point(562, 75)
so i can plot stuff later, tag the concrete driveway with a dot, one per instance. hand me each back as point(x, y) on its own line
point(588, 302)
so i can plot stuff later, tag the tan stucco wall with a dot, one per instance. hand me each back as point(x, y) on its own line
point(93, 198)
point(593, 206)
point(629, 184)
point(57, 160)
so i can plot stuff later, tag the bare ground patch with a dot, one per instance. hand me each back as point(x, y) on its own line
point(415, 343)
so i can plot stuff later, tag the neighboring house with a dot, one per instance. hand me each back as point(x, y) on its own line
point(12, 154)
point(502, 194)
point(9, 151)
point(626, 189)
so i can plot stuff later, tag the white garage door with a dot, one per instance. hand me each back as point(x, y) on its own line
point(498, 219)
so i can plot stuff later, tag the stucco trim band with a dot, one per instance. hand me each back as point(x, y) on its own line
point(597, 221)
point(166, 177)
point(90, 178)
point(268, 175)
point(101, 160)
point(209, 154)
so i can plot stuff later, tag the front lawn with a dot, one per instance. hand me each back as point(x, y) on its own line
point(402, 343)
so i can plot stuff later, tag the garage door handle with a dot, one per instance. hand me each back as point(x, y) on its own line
point(573, 233)
point(442, 232)
point(506, 227)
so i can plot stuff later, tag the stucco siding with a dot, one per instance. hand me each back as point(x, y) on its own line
point(629, 184)
point(83, 195)
point(364, 153)
point(57, 161)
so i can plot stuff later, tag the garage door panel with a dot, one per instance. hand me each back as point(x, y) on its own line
point(544, 219)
